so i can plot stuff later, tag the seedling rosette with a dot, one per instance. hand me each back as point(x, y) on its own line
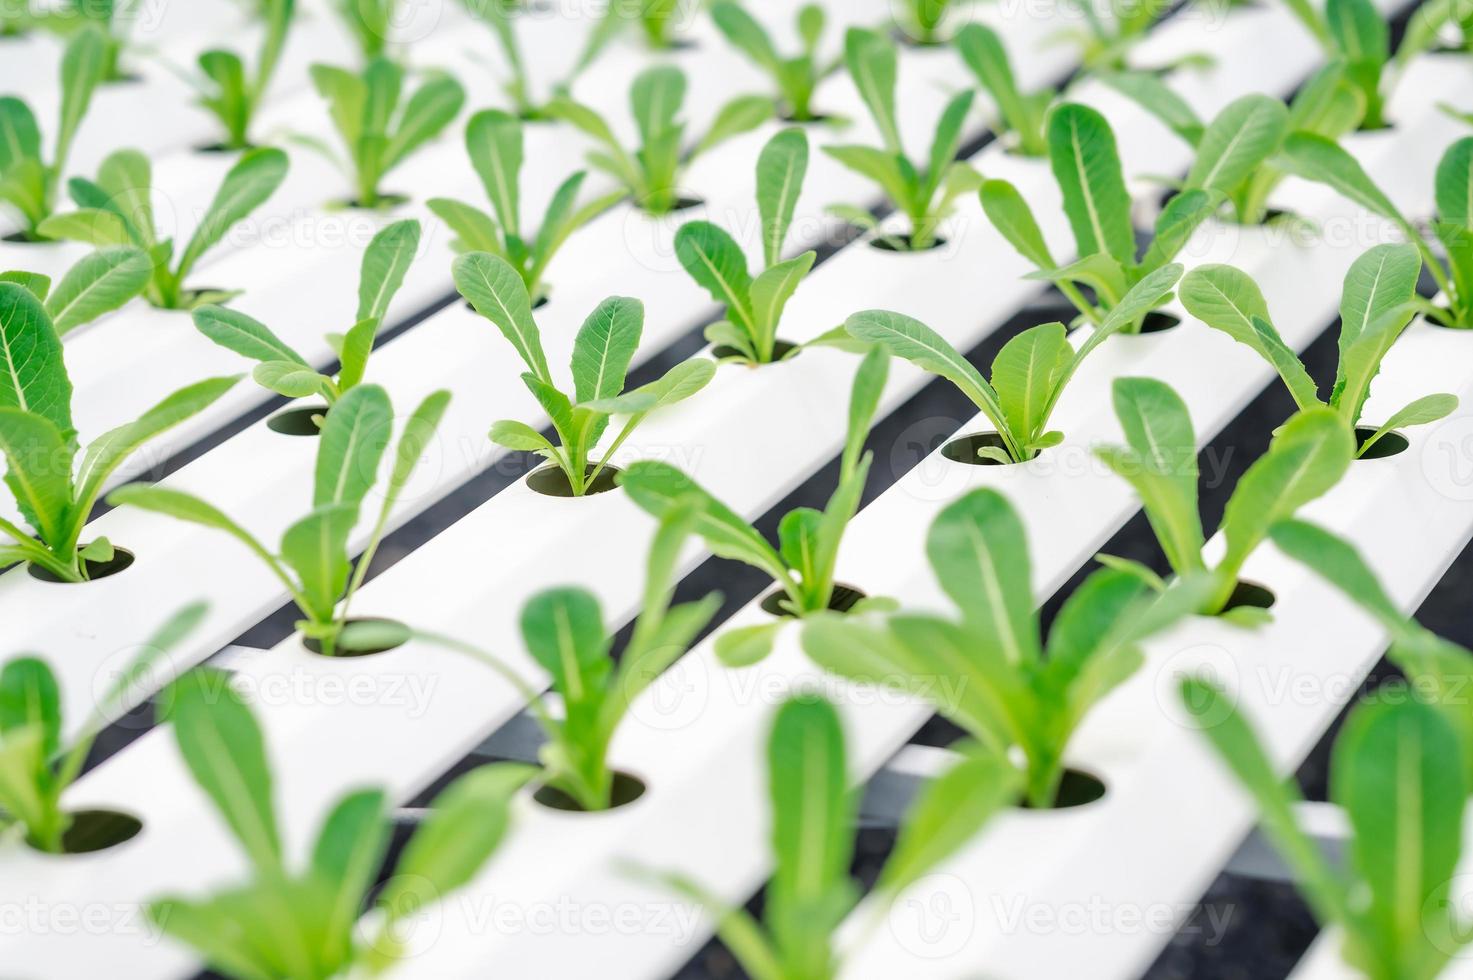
point(233, 95)
point(1020, 115)
point(795, 78)
point(602, 353)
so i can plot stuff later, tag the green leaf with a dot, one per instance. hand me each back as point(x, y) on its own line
point(604, 347)
point(745, 33)
point(474, 229)
point(1161, 464)
point(91, 226)
point(813, 817)
point(873, 64)
point(291, 379)
point(1324, 161)
point(98, 284)
point(1428, 408)
point(947, 142)
point(246, 187)
point(37, 284)
point(385, 262)
point(1025, 373)
point(244, 335)
point(1358, 31)
point(771, 291)
point(226, 754)
point(655, 99)
point(316, 547)
point(984, 53)
point(20, 137)
point(498, 293)
point(979, 551)
point(781, 167)
point(1011, 216)
point(39, 473)
point(1379, 282)
point(716, 262)
point(186, 507)
point(82, 66)
point(1176, 224)
point(864, 402)
point(1150, 91)
point(677, 384)
point(348, 852)
point(31, 699)
point(432, 107)
point(495, 143)
point(1307, 457)
point(32, 375)
point(743, 646)
point(1086, 165)
point(741, 115)
point(564, 632)
point(125, 180)
point(351, 445)
point(1454, 184)
point(356, 347)
point(1238, 140)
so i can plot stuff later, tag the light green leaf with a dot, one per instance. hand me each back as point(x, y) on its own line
point(1086, 165)
point(98, 284)
point(351, 445)
point(243, 334)
point(385, 262)
point(247, 185)
point(1238, 140)
point(498, 293)
point(781, 167)
point(604, 347)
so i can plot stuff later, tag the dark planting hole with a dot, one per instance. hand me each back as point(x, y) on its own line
point(625, 790)
point(24, 238)
point(682, 203)
point(120, 560)
point(964, 449)
point(780, 350)
point(890, 245)
point(1158, 322)
point(814, 119)
point(1075, 789)
point(386, 202)
point(552, 481)
point(845, 598)
point(538, 304)
point(1391, 444)
point(399, 635)
point(297, 421)
point(217, 148)
point(1433, 321)
point(1250, 595)
point(190, 298)
point(97, 830)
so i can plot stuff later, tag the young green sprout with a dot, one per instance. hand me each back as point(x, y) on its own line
point(1391, 902)
point(1235, 150)
point(232, 95)
point(38, 767)
point(314, 563)
point(117, 208)
point(923, 194)
point(500, 17)
point(814, 827)
point(378, 132)
point(1029, 374)
point(754, 306)
point(1307, 457)
point(111, 19)
point(1375, 308)
point(303, 922)
point(656, 20)
point(28, 183)
point(1112, 29)
point(283, 370)
point(602, 352)
point(494, 141)
point(1324, 161)
point(924, 21)
point(370, 22)
point(1020, 115)
point(55, 494)
point(564, 632)
point(997, 680)
point(804, 563)
point(1087, 167)
point(651, 174)
point(794, 78)
point(1438, 24)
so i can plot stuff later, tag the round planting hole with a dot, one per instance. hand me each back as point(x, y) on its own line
point(814, 119)
point(964, 449)
point(1391, 444)
point(1158, 322)
point(552, 481)
point(625, 790)
point(1250, 595)
point(298, 421)
point(905, 248)
point(683, 202)
point(386, 202)
point(1075, 789)
point(539, 304)
point(97, 830)
point(120, 560)
point(217, 148)
point(23, 238)
point(386, 635)
point(780, 350)
point(845, 598)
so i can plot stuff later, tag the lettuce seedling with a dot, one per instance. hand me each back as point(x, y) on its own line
point(923, 21)
point(494, 141)
point(1375, 307)
point(283, 370)
point(656, 21)
point(370, 22)
point(1324, 161)
point(1390, 902)
point(1446, 24)
point(1020, 115)
point(651, 175)
point(1432, 664)
point(376, 130)
point(27, 182)
point(754, 306)
point(814, 827)
point(1235, 150)
point(1087, 168)
point(989, 671)
point(36, 769)
point(53, 492)
point(564, 632)
point(1029, 374)
point(314, 563)
point(111, 19)
point(1110, 31)
point(499, 16)
point(804, 563)
point(1308, 456)
point(304, 922)
point(795, 78)
point(924, 194)
point(117, 209)
point(602, 352)
point(228, 93)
